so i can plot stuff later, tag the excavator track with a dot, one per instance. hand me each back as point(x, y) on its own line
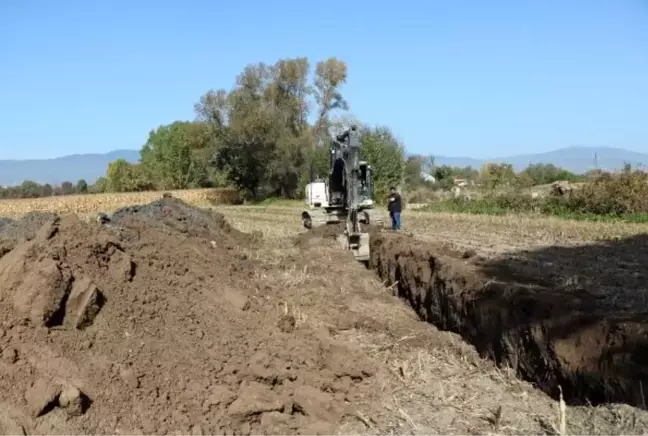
point(316, 217)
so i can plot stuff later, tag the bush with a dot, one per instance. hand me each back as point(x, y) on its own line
point(623, 195)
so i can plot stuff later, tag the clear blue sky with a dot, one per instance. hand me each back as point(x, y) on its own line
point(451, 77)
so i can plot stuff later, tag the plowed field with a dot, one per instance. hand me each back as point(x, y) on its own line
point(168, 319)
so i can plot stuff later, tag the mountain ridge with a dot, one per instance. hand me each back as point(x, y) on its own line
point(91, 166)
point(578, 159)
point(87, 166)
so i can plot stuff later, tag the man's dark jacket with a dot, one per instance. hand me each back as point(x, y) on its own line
point(395, 205)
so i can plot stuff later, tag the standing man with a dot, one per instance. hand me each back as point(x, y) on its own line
point(394, 208)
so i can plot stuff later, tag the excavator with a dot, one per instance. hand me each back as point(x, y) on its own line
point(349, 196)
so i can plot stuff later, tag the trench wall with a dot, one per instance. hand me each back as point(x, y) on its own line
point(551, 339)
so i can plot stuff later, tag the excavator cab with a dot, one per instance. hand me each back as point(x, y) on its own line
point(366, 185)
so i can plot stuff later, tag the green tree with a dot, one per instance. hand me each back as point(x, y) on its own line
point(494, 175)
point(386, 155)
point(330, 75)
point(542, 174)
point(261, 138)
point(67, 188)
point(100, 186)
point(30, 189)
point(123, 176)
point(46, 190)
point(415, 166)
point(172, 156)
point(82, 187)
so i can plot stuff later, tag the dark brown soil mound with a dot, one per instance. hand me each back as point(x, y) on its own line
point(25, 227)
point(4, 222)
point(592, 344)
point(158, 322)
point(180, 217)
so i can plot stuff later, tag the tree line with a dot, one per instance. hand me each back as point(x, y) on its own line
point(31, 189)
point(268, 136)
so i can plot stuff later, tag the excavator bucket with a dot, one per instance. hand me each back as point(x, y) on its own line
point(358, 243)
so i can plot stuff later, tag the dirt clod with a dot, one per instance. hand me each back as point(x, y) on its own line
point(253, 399)
point(10, 355)
point(317, 404)
point(71, 400)
point(287, 323)
point(83, 303)
point(42, 396)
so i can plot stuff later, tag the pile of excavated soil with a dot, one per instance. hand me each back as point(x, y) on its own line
point(589, 339)
point(158, 322)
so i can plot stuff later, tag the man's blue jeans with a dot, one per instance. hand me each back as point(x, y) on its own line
point(395, 216)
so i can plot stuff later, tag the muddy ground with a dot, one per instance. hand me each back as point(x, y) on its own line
point(166, 320)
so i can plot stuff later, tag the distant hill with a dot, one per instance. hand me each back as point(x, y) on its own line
point(67, 168)
point(92, 166)
point(575, 159)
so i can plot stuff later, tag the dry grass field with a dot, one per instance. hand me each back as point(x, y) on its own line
point(82, 204)
point(426, 381)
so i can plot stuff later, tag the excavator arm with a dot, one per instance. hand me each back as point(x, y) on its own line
point(353, 238)
point(349, 192)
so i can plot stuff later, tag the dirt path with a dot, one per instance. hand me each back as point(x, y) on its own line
point(166, 320)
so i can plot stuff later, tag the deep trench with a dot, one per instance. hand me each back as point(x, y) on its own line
point(551, 341)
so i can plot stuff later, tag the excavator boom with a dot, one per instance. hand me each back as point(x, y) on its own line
point(349, 196)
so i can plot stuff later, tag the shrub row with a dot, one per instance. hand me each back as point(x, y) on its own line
point(623, 195)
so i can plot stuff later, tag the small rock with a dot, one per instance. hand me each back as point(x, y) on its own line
point(42, 397)
point(71, 399)
point(287, 323)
